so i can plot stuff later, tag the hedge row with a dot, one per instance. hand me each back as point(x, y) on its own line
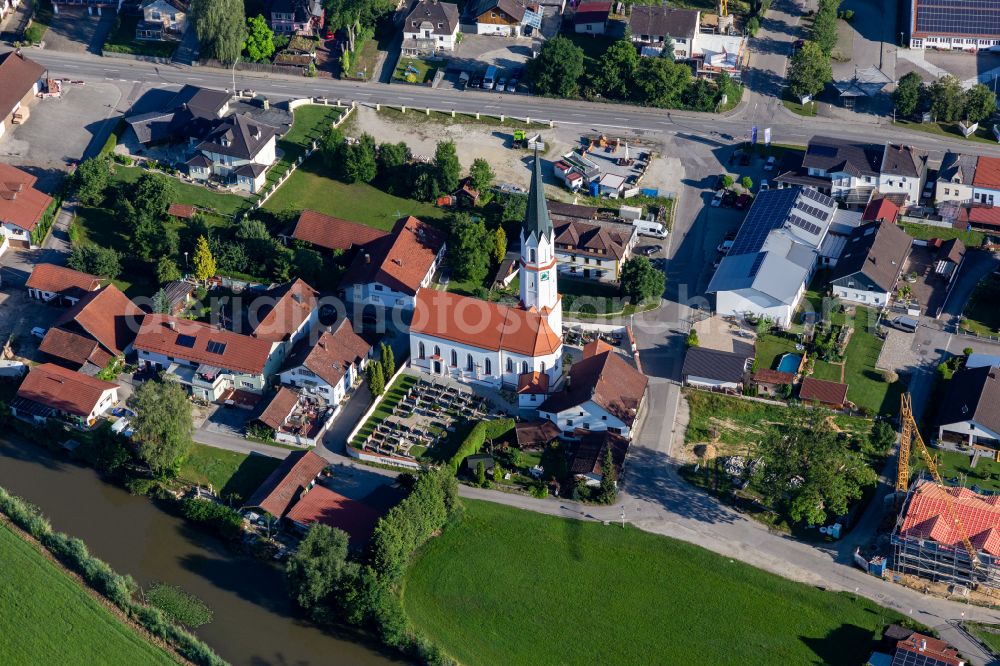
point(118, 589)
point(482, 431)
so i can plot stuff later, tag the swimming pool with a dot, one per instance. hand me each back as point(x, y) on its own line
point(790, 363)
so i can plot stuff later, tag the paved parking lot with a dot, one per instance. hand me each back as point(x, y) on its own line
point(18, 315)
point(74, 31)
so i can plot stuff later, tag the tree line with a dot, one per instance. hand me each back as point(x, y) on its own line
point(810, 68)
point(945, 99)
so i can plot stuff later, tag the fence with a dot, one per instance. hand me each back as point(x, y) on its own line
point(909, 219)
point(132, 56)
point(263, 67)
point(478, 115)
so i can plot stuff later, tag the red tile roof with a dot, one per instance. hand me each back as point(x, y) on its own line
point(881, 209)
point(73, 348)
point(482, 324)
point(67, 391)
point(20, 203)
point(927, 650)
point(183, 211)
point(167, 335)
point(605, 379)
point(982, 216)
point(332, 354)
point(596, 347)
point(768, 376)
point(333, 233)
point(823, 392)
point(927, 517)
point(533, 382)
point(17, 76)
point(987, 173)
point(322, 505)
point(293, 304)
point(282, 488)
point(280, 407)
point(591, 12)
point(400, 260)
point(62, 280)
point(107, 315)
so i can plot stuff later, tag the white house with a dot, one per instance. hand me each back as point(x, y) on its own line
point(162, 20)
point(955, 178)
point(595, 251)
point(986, 183)
point(431, 26)
point(903, 171)
point(846, 170)
point(870, 264)
point(652, 27)
point(591, 18)
point(22, 208)
point(504, 18)
point(64, 286)
point(774, 255)
point(238, 152)
point(715, 369)
point(284, 315)
point(968, 413)
point(331, 366)
point(388, 272)
point(50, 390)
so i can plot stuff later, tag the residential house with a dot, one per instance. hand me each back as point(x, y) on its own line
point(880, 209)
point(535, 435)
point(970, 411)
point(22, 208)
point(902, 174)
point(330, 367)
point(597, 251)
point(59, 284)
point(532, 389)
point(297, 418)
point(21, 80)
point(651, 27)
point(846, 170)
point(279, 492)
point(332, 233)
point(466, 196)
point(771, 382)
point(162, 20)
point(602, 392)
point(773, 255)
point(717, 53)
point(922, 650)
point(185, 117)
point(561, 212)
point(587, 462)
point(284, 315)
point(715, 369)
point(212, 363)
point(321, 505)
point(823, 392)
point(941, 24)
point(499, 17)
point(51, 391)
point(432, 26)
point(949, 258)
point(871, 263)
point(237, 151)
point(389, 271)
point(591, 18)
point(100, 327)
point(472, 463)
point(986, 182)
point(955, 178)
point(297, 17)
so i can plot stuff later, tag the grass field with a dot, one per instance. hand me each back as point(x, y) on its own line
point(310, 124)
point(227, 471)
point(987, 633)
point(981, 313)
point(414, 70)
point(195, 195)
point(595, 594)
point(122, 40)
point(926, 232)
point(954, 467)
point(48, 618)
point(983, 135)
point(866, 388)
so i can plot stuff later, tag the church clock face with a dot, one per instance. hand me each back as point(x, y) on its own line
point(543, 276)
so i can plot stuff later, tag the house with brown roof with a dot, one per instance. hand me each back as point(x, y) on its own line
point(51, 391)
point(321, 505)
point(297, 417)
point(332, 233)
point(388, 272)
point(823, 392)
point(986, 182)
point(602, 392)
point(330, 367)
point(21, 79)
point(587, 461)
point(535, 435)
point(22, 208)
point(505, 18)
point(431, 26)
point(60, 285)
point(284, 315)
point(596, 251)
point(902, 174)
point(101, 326)
point(212, 363)
point(970, 411)
point(652, 27)
point(771, 382)
point(296, 474)
point(871, 263)
point(949, 257)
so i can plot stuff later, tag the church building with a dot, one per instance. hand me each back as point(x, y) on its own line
point(506, 347)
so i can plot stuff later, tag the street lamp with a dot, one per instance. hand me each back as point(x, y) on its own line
point(185, 260)
point(235, 62)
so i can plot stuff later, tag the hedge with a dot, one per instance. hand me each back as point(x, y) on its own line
point(228, 521)
point(482, 431)
point(99, 575)
point(112, 140)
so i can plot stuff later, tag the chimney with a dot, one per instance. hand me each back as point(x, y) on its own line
point(368, 258)
point(171, 325)
point(923, 644)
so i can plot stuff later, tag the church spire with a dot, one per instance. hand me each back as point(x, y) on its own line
point(536, 219)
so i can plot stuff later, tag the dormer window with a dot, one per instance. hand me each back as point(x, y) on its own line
point(440, 25)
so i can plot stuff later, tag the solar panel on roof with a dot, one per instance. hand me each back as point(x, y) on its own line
point(185, 340)
point(961, 17)
point(818, 197)
point(808, 227)
point(216, 347)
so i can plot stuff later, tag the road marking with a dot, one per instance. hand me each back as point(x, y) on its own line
point(407, 98)
point(196, 78)
point(577, 115)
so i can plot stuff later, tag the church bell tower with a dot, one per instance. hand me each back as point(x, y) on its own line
point(539, 287)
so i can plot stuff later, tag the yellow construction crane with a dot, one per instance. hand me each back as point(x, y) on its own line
point(723, 7)
point(911, 434)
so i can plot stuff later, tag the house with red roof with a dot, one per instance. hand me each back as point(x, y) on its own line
point(986, 182)
point(591, 18)
point(22, 208)
point(332, 233)
point(21, 79)
point(51, 391)
point(60, 285)
point(330, 367)
point(823, 392)
point(284, 315)
point(882, 209)
point(321, 505)
point(279, 492)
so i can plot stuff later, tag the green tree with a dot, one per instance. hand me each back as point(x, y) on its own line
point(481, 474)
point(747, 183)
point(692, 338)
point(152, 239)
point(162, 424)
point(317, 566)
point(908, 93)
point(947, 99)
point(388, 362)
point(725, 86)
point(259, 44)
point(499, 249)
point(727, 181)
point(333, 149)
point(309, 264)
point(640, 280)
point(167, 270)
point(616, 70)
point(980, 103)
point(221, 28)
point(882, 436)
point(468, 249)
point(515, 206)
point(701, 95)
point(391, 161)
point(91, 180)
point(557, 69)
point(148, 198)
point(809, 72)
point(108, 451)
point(609, 479)
point(447, 169)
point(161, 303)
point(359, 163)
point(482, 176)
point(101, 261)
point(662, 82)
point(203, 261)
point(824, 28)
point(376, 380)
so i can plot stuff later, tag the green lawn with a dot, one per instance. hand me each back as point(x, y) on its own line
point(866, 388)
point(309, 187)
point(311, 123)
point(927, 232)
point(228, 472)
point(122, 40)
point(981, 313)
point(983, 135)
point(48, 618)
point(808, 109)
point(955, 466)
point(184, 193)
point(596, 594)
point(983, 632)
point(404, 71)
point(416, 115)
point(40, 23)
point(770, 349)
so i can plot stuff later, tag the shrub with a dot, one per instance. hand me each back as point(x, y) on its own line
point(227, 521)
point(180, 606)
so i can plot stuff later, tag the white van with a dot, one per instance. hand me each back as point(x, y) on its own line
point(647, 228)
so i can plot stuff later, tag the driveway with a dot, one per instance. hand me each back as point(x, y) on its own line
point(74, 31)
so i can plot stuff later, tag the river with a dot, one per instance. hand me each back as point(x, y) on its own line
point(253, 622)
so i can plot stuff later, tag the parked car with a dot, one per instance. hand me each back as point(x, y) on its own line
point(502, 84)
point(764, 185)
point(39, 332)
point(512, 85)
point(743, 201)
point(463, 80)
point(726, 244)
point(729, 199)
point(907, 324)
point(477, 81)
point(769, 164)
point(648, 250)
point(717, 199)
